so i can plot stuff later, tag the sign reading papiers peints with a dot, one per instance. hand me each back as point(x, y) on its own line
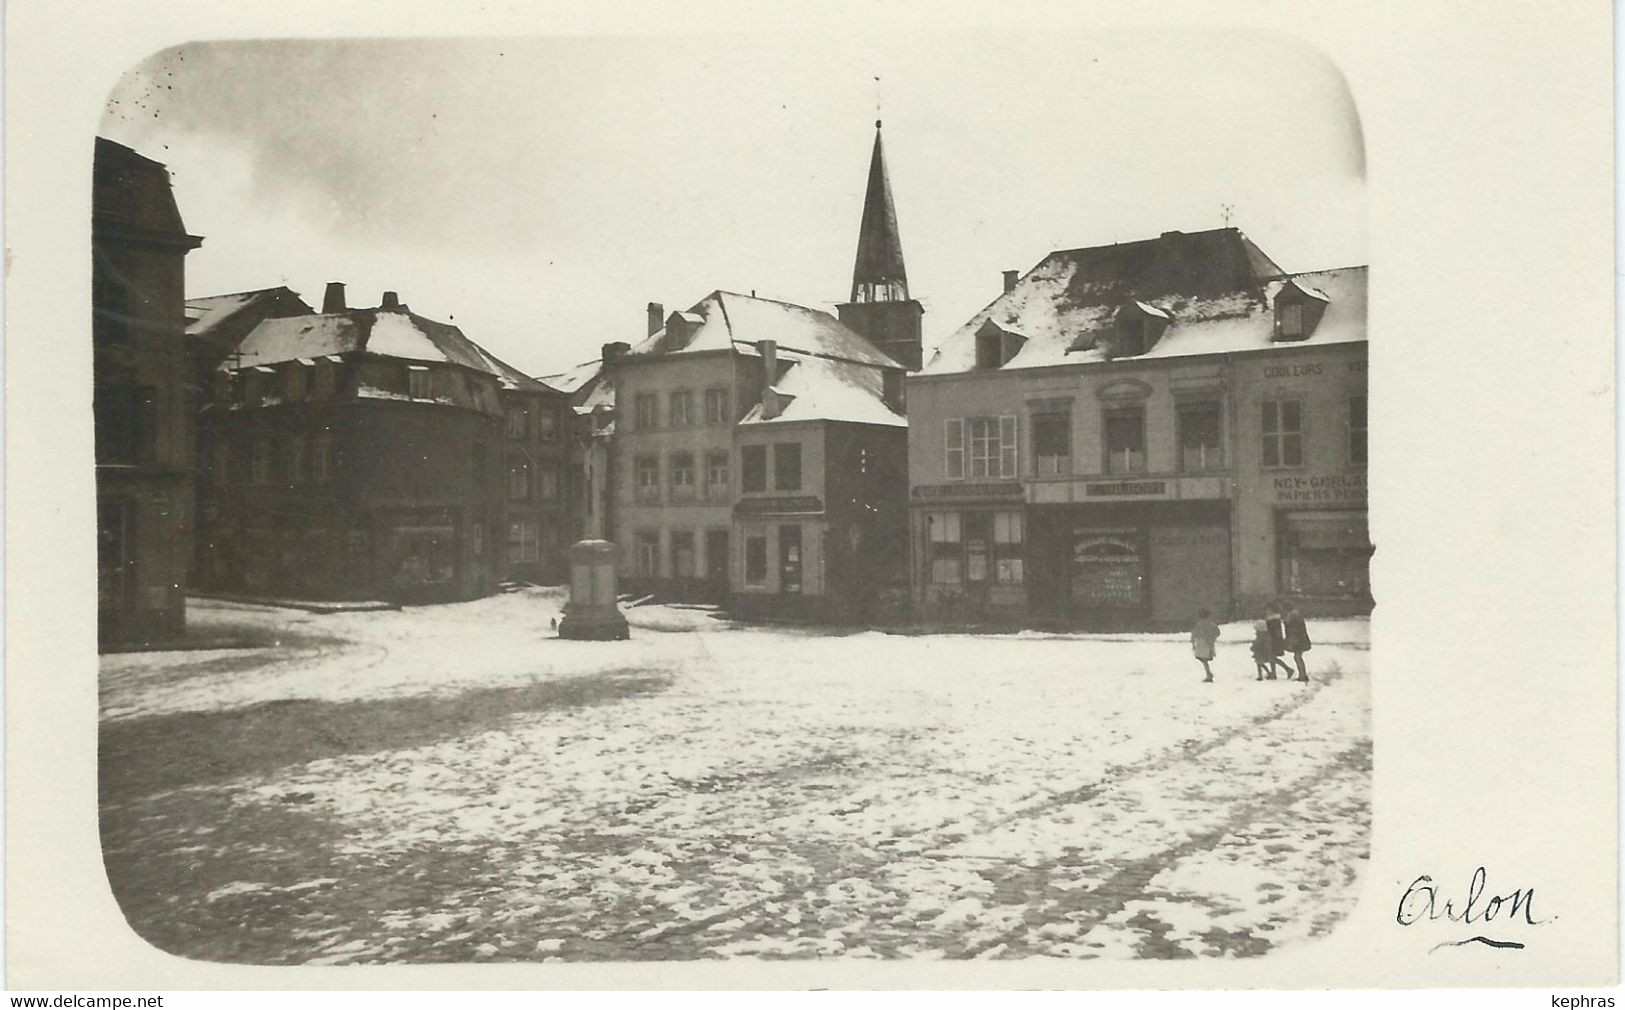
point(1339, 487)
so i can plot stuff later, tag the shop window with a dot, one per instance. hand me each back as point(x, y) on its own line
point(683, 560)
point(1201, 442)
point(1324, 553)
point(648, 477)
point(756, 560)
point(1357, 430)
point(682, 474)
point(1008, 564)
point(420, 384)
point(716, 475)
point(524, 543)
point(1052, 444)
point(790, 560)
point(681, 409)
point(716, 407)
point(421, 555)
point(520, 488)
point(645, 407)
point(753, 467)
point(947, 554)
point(1108, 570)
point(1125, 440)
point(1282, 426)
point(787, 466)
point(648, 554)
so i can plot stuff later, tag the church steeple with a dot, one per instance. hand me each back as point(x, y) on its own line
point(879, 275)
point(880, 308)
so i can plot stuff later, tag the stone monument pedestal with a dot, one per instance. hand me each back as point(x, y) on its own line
point(592, 613)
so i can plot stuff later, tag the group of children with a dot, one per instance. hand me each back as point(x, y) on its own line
point(1273, 637)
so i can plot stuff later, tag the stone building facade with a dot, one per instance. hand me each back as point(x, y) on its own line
point(1131, 433)
point(142, 408)
point(372, 453)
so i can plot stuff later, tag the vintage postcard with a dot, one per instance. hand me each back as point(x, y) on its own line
point(917, 498)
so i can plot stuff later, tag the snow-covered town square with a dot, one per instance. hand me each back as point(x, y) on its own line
point(456, 783)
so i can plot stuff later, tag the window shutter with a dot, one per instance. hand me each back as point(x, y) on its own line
point(1007, 445)
point(954, 439)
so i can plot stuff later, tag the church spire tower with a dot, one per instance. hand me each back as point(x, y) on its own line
point(880, 308)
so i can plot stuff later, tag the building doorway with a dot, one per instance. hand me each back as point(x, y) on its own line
point(716, 562)
point(789, 559)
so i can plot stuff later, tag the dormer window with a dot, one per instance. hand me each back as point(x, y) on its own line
point(996, 345)
point(1291, 320)
point(1137, 328)
point(1298, 309)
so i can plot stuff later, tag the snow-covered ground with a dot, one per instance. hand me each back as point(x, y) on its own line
point(455, 783)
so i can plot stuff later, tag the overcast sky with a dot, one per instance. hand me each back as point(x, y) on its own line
point(540, 192)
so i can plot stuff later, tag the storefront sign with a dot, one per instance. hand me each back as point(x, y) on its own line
point(797, 505)
point(1127, 487)
point(1002, 490)
point(1341, 487)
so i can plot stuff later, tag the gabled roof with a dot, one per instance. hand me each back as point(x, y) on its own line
point(584, 385)
point(1215, 287)
point(394, 334)
point(735, 322)
point(822, 389)
point(209, 313)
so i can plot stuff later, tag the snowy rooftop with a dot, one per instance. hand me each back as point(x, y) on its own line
point(827, 390)
point(394, 334)
point(727, 321)
point(204, 315)
point(1216, 289)
point(573, 379)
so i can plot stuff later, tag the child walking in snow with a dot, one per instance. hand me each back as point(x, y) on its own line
point(1263, 650)
point(1203, 634)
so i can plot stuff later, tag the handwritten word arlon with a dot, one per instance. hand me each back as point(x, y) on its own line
point(1423, 901)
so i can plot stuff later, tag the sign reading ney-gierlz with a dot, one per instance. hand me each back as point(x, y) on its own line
point(1326, 487)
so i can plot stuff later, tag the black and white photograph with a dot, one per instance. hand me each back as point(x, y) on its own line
point(591, 500)
point(770, 500)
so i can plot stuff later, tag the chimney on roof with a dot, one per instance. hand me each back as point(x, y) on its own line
point(612, 352)
point(1010, 277)
point(391, 302)
point(333, 298)
point(656, 317)
point(769, 350)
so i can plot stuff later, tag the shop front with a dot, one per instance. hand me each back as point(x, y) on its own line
point(1324, 558)
point(1130, 565)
